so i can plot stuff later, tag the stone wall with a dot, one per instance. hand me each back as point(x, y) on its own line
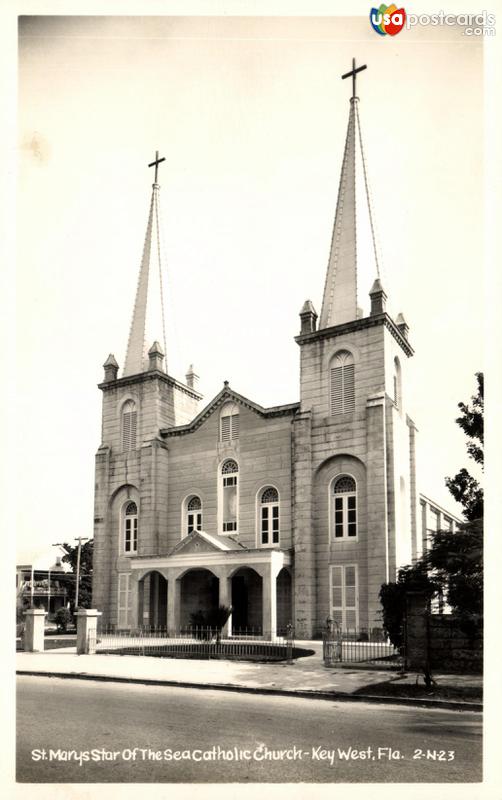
point(438, 639)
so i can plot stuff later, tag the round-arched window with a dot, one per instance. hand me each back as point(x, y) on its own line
point(194, 514)
point(229, 422)
point(344, 514)
point(269, 516)
point(341, 383)
point(129, 424)
point(229, 497)
point(131, 528)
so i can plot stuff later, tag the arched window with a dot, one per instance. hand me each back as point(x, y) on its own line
point(269, 516)
point(341, 377)
point(131, 528)
point(344, 514)
point(397, 383)
point(129, 425)
point(229, 506)
point(194, 514)
point(229, 422)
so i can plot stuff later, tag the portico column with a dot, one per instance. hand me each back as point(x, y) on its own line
point(269, 601)
point(225, 599)
point(173, 602)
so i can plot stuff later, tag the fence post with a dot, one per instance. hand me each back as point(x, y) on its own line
point(289, 636)
point(87, 623)
point(34, 630)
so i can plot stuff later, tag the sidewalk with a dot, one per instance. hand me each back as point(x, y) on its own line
point(306, 677)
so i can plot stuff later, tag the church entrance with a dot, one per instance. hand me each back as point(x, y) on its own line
point(152, 601)
point(199, 595)
point(247, 602)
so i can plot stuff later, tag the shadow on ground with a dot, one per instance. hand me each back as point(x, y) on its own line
point(403, 687)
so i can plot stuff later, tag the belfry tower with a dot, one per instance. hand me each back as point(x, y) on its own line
point(354, 471)
point(132, 460)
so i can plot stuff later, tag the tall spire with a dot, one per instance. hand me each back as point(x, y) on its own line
point(339, 302)
point(148, 323)
point(340, 299)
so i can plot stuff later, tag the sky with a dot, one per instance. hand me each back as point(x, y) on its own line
point(251, 115)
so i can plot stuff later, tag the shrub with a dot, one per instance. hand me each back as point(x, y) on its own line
point(62, 618)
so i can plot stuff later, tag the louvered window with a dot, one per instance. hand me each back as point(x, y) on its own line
point(129, 426)
point(124, 600)
point(269, 516)
point(131, 528)
point(229, 473)
point(342, 388)
point(229, 422)
point(344, 510)
point(344, 596)
point(194, 514)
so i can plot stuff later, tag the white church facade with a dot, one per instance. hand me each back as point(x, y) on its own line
point(289, 514)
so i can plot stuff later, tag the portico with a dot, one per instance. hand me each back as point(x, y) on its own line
point(203, 572)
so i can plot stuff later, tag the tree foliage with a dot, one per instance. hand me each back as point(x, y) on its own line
point(465, 489)
point(392, 597)
point(85, 587)
point(457, 562)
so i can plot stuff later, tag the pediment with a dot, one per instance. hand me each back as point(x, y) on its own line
point(202, 542)
point(227, 394)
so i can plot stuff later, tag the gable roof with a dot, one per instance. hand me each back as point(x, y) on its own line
point(222, 397)
point(222, 543)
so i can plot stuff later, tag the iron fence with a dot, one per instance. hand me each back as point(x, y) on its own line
point(193, 642)
point(353, 646)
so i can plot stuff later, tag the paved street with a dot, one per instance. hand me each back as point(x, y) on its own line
point(231, 737)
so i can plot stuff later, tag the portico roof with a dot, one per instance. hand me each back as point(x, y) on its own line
point(201, 552)
point(197, 538)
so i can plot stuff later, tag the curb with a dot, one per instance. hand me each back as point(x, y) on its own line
point(452, 705)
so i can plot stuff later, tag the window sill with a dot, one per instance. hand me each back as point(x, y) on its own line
point(334, 540)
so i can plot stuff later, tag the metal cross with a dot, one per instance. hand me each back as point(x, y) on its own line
point(156, 164)
point(353, 72)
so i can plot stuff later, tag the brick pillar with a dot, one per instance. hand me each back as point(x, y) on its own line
point(416, 630)
point(34, 625)
point(87, 625)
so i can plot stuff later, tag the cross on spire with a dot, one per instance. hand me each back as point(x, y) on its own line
point(156, 164)
point(353, 72)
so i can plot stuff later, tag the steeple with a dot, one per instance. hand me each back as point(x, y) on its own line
point(339, 302)
point(148, 322)
point(340, 299)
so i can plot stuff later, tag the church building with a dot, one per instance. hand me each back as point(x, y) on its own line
point(288, 514)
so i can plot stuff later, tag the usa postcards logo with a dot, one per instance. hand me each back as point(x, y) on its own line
point(387, 19)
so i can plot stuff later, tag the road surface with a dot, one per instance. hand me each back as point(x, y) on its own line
point(90, 731)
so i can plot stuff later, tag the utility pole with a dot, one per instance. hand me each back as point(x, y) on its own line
point(78, 539)
point(54, 544)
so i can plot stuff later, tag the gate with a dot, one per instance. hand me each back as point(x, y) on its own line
point(358, 647)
